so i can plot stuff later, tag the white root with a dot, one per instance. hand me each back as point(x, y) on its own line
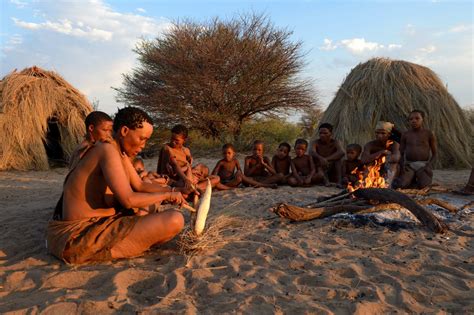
point(203, 209)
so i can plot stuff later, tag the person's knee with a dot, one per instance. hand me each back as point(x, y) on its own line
point(176, 221)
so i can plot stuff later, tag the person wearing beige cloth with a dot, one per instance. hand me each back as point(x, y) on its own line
point(90, 224)
point(380, 147)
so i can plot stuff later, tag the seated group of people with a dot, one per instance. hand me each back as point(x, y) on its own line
point(99, 215)
point(408, 164)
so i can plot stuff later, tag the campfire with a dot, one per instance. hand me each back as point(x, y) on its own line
point(370, 176)
point(369, 194)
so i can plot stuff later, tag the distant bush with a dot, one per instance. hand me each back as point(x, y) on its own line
point(271, 131)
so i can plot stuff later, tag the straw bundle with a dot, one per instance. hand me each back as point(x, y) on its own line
point(384, 89)
point(28, 100)
point(223, 229)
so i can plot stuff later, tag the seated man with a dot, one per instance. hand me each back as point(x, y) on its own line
point(328, 153)
point(382, 146)
point(415, 148)
point(90, 224)
point(98, 128)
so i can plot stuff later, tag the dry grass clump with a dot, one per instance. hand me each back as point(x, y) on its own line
point(384, 89)
point(220, 230)
point(28, 99)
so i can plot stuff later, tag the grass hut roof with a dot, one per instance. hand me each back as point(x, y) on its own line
point(388, 90)
point(30, 102)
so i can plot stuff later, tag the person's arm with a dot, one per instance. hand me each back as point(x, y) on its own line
point(274, 162)
point(343, 172)
point(116, 178)
point(369, 158)
point(395, 157)
point(266, 163)
point(294, 172)
point(313, 151)
point(138, 184)
point(434, 148)
point(403, 146)
point(250, 170)
point(338, 154)
point(312, 170)
point(237, 166)
point(217, 168)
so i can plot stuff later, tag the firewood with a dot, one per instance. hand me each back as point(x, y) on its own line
point(442, 204)
point(388, 195)
point(295, 213)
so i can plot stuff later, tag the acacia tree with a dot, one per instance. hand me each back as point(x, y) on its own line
point(215, 76)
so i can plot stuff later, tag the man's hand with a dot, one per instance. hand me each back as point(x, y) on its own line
point(307, 180)
point(176, 197)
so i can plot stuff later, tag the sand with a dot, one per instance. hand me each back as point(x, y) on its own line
point(262, 265)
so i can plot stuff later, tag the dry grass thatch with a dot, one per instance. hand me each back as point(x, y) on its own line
point(28, 99)
point(221, 230)
point(384, 89)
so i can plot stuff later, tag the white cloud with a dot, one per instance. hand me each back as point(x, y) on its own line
point(89, 44)
point(428, 49)
point(328, 45)
point(394, 46)
point(141, 10)
point(460, 28)
point(359, 45)
point(67, 27)
point(18, 3)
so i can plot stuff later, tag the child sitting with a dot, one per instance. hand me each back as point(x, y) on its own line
point(281, 162)
point(150, 177)
point(228, 169)
point(98, 128)
point(175, 160)
point(350, 164)
point(303, 170)
point(258, 168)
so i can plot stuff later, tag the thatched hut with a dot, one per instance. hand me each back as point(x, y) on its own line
point(41, 119)
point(384, 89)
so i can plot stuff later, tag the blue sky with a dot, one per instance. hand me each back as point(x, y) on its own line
point(90, 42)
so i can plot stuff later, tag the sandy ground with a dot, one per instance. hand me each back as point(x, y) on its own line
point(263, 264)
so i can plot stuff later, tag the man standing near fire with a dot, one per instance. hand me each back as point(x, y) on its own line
point(383, 149)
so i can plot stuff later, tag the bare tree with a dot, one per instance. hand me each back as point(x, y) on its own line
point(215, 76)
point(310, 120)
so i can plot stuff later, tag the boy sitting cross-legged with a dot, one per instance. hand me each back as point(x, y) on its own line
point(281, 162)
point(303, 170)
point(176, 161)
point(258, 168)
point(350, 164)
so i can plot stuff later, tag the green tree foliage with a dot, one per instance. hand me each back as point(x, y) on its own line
point(215, 76)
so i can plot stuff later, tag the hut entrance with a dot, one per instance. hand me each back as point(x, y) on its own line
point(52, 144)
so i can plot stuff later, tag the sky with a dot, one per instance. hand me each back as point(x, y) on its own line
point(90, 42)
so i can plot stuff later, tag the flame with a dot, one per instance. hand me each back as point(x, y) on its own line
point(369, 176)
